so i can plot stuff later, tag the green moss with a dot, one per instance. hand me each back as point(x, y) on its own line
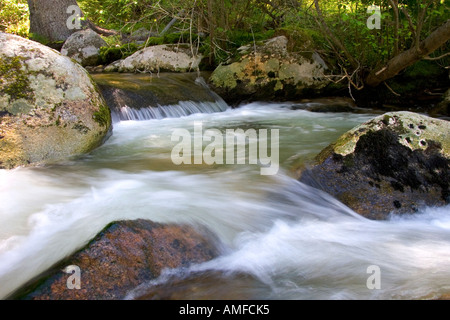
point(225, 76)
point(39, 38)
point(108, 55)
point(103, 116)
point(155, 41)
point(172, 38)
point(243, 37)
point(14, 80)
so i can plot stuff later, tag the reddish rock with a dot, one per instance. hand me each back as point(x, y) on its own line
point(124, 255)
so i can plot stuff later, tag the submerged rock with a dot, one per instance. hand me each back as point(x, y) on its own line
point(84, 47)
point(396, 163)
point(160, 58)
point(205, 285)
point(142, 90)
point(269, 72)
point(50, 108)
point(124, 255)
point(323, 105)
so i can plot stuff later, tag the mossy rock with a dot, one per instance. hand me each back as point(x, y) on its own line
point(50, 109)
point(397, 163)
point(268, 72)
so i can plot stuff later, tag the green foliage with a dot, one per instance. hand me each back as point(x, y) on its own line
point(229, 24)
point(423, 69)
point(14, 17)
point(239, 38)
point(39, 38)
point(113, 13)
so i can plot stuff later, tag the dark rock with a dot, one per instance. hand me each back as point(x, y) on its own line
point(323, 105)
point(268, 71)
point(143, 90)
point(124, 255)
point(396, 163)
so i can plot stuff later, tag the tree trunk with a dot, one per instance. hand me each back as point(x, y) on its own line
point(48, 19)
point(407, 58)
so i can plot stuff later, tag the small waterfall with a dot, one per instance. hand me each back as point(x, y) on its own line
point(182, 109)
point(142, 97)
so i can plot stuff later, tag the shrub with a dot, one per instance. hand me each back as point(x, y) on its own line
point(14, 17)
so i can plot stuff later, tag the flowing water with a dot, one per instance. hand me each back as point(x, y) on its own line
point(297, 241)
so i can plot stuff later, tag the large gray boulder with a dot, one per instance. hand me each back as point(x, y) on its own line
point(396, 163)
point(268, 71)
point(84, 47)
point(161, 58)
point(50, 108)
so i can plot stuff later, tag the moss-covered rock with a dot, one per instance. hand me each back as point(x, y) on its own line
point(50, 108)
point(268, 71)
point(395, 163)
point(84, 47)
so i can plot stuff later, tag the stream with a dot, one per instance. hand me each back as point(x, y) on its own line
point(297, 241)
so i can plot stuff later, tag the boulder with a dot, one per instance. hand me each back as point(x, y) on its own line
point(396, 163)
point(269, 72)
point(50, 108)
point(113, 67)
point(84, 47)
point(142, 90)
point(323, 105)
point(123, 256)
point(161, 58)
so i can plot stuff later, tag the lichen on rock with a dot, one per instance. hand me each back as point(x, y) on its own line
point(43, 96)
point(268, 71)
point(393, 164)
point(84, 47)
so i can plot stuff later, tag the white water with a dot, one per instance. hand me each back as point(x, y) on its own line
point(182, 109)
point(300, 242)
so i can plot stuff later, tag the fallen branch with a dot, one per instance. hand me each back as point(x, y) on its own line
point(391, 90)
point(99, 30)
point(437, 58)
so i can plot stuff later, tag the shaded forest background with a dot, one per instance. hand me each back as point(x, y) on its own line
point(359, 57)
